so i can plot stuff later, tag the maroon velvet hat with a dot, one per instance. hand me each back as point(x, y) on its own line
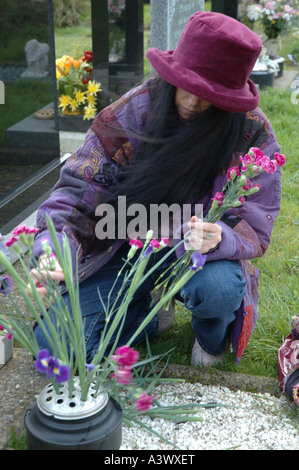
point(213, 60)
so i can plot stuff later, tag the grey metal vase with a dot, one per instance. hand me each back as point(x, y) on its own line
point(58, 422)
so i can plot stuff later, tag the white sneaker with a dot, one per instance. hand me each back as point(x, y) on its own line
point(202, 358)
point(165, 317)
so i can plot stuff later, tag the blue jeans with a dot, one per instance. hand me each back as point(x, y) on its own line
point(212, 294)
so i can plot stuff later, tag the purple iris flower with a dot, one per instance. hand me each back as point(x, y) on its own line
point(50, 365)
point(198, 260)
point(148, 251)
point(6, 284)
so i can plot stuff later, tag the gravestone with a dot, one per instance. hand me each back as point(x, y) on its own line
point(168, 19)
point(100, 46)
point(6, 350)
point(227, 7)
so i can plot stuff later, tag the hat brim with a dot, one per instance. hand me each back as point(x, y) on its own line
point(235, 100)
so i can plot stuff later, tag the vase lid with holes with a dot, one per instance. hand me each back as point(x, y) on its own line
point(64, 406)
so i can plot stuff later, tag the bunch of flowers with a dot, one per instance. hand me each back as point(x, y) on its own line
point(26, 236)
point(120, 372)
point(275, 15)
point(77, 92)
point(234, 193)
point(125, 359)
point(239, 185)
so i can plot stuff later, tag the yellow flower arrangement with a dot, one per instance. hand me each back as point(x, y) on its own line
point(77, 92)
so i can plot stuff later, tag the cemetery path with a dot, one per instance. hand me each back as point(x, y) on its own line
point(20, 383)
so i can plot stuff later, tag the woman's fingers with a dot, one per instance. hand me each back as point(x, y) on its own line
point(43, 275)
point(203, 236)
point(40, 276)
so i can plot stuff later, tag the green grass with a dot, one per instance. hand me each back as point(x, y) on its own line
point(73, 41)
point(22, 98)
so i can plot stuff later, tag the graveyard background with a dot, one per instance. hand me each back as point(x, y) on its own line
point(278, 284)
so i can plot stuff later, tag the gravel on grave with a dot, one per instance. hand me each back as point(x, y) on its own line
point(245, 422)
point(253, 421)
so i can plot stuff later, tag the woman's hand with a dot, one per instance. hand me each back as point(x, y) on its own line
point(204, 236)
point(40, 275)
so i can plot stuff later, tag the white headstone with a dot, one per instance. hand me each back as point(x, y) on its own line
point(6, 350)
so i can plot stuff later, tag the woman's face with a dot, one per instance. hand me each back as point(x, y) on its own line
point(188, 104)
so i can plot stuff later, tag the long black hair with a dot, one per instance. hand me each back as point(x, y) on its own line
point(177, 160)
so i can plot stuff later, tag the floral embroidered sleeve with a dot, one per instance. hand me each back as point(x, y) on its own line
point(74, 196)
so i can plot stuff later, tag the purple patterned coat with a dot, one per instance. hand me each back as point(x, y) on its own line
point(84, 180)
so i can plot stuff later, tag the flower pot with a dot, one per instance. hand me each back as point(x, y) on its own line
point(58, 422)
point(263, 79)
point(272, 47)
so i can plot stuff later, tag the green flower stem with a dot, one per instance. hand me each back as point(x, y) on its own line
point(171, 292)
point(11, 271)
point(76, 336)
point(24, 288)
point(18, 333)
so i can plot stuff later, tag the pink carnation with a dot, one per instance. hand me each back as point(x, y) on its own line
point(233, 172)
point(144, 402)
point(264, 160)
point(246, 160)
point(31, 230)
point(247, 186)
point(11, 241)
point(256, 153)
point(135, 243)
point(18, 230)
point(218, 197)
point(125, 356)
point(154, 243)
point(123, 376)
point(269, 167)
point(280, 159)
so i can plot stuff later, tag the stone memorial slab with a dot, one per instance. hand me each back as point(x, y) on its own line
point(168, 19)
